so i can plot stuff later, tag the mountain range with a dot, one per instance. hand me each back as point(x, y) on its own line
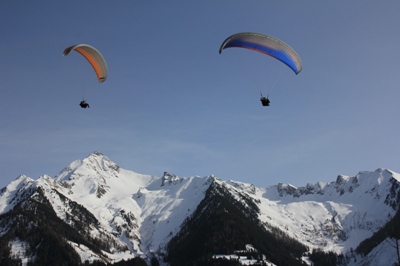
point(95, 212)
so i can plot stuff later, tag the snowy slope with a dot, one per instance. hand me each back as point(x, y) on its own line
point(14, 193)
point(333, 216)
point(139, 214)
point(157, 205)
point(165, 204)
point(107, 192)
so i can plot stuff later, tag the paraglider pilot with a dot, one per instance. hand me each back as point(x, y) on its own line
point(84, 104)
point(264, 101)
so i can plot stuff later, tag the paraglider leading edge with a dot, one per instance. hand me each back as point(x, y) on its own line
point(267, 45)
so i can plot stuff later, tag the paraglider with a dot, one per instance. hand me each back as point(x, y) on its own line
point(264, 101)
point(96, 60)
point(267, 45)
point(84, 104)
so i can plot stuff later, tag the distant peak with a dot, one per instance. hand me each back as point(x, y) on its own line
point(20, 181)
point(169, 178)
point(96, 153)
point(98, 159)
point(95, 165)
point(286, 189)
point(341, 179)
point(22, 178)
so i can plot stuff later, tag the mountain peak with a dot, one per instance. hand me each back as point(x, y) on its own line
point(97, 153)
point(95, 165)
point(20, 181)
point(100, 162)
point(9, 195)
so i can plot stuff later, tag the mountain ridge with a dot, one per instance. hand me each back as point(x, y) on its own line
point(134, 215)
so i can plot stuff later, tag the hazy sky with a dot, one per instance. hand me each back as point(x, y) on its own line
point(173, 103)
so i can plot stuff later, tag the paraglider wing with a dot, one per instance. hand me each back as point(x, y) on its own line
point(267, 45)
point(93, 56)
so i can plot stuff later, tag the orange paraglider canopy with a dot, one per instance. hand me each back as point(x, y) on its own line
point(94, 57)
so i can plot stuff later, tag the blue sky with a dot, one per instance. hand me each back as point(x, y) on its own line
point(172, 103)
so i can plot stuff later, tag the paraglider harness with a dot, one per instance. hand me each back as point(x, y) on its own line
point(264, 101)
point(84, 104)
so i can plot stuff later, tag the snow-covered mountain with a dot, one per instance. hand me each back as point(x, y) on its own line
point(106, 213)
